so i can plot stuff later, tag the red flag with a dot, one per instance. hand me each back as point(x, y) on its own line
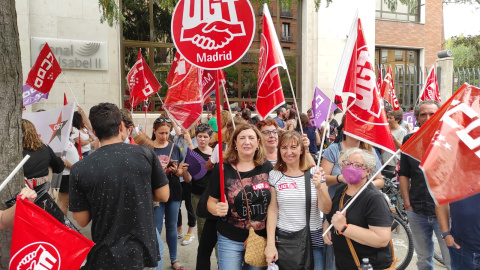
point(270, 93)
point(46, 69)
point(249, 103)
point(448, 145)
point(379, 80)
point(79, 146)
point(365, 119)
point(388, 90)
point(184, 99)
point(339, 101)
point(65, 102)
point(40, 241)
point(141, 81)
point(430, 89)
point(243, 105)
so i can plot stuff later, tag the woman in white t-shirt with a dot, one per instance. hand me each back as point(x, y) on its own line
point(71, 157)
point(286, 211)
point(80, 129)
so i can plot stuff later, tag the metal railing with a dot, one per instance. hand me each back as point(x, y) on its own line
point(286, 13)
point(287, 38)
point(465, 75)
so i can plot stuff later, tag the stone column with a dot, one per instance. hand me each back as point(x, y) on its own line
point(445, 77)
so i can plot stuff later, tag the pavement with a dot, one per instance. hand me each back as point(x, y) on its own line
point(187, 254)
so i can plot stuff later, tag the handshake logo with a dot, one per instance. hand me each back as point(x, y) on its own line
point(204, 23)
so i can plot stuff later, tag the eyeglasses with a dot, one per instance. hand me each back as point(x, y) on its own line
point(161, 120)
point(358, 166)
point(270, 132)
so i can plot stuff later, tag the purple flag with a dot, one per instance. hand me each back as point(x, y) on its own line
point(320, 107)
point(196, 164)
point(30, 95)
point(410, 119)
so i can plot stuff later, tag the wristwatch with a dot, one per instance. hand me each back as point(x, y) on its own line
point(445, 234)
point(343, 229)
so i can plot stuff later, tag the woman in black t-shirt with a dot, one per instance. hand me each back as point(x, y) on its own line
point(169, 156)
point(367, 222)
point(42, 156)
point(246, 156)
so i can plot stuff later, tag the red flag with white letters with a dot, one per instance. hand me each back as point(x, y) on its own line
point(141, 81)
point(388, 90)
point(448, 145)
point(365, 119)
point(39, 241)
point(45, 71)
point(379, 80)
point(270, 93)
point(430, 89)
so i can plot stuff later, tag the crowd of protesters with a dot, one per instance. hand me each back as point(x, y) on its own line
point(129, 192)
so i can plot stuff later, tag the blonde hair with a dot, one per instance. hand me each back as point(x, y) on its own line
point(294, 138)
point(231, 155)
point(30, 141)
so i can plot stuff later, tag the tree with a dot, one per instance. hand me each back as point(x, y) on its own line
point(11, 111)
point(465, 50)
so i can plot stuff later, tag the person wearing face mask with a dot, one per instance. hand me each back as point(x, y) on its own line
point(367, 224)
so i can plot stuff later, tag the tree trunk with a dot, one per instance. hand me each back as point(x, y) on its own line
point(11, 113)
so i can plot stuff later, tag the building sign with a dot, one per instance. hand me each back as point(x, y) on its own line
point(73, 54)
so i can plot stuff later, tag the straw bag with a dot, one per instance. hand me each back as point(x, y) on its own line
point(255, 244)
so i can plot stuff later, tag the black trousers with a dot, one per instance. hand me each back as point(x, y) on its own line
point(207, 244)
point(187, 197)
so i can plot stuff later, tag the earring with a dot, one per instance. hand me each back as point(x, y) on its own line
point(235, 148)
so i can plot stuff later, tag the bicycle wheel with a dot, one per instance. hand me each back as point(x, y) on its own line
point(402, 239)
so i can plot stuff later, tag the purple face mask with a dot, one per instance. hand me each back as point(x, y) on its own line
point(352, 176)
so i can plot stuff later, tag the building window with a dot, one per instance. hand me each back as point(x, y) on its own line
point(147, 27)
point(395, 10)
point(406, 71)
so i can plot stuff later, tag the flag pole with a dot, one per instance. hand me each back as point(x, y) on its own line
point(146, 107)
point(228, 102)
point(295, 101)
point(69, 87)
point(362, 189)
point(159, 98)
point(12, 174)
point(219, 132)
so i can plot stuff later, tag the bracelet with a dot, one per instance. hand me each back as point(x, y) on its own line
point(445, 234)
point(343, 229)
point(337, 178)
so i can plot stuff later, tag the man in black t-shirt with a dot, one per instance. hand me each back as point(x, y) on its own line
point(114, 187)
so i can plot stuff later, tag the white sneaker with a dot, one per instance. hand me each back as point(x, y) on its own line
point(188, 239)
point(180, 235)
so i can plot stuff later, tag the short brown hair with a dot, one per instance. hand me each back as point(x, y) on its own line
point(231, 155)
point(267, 122)
point(126, 118)
point(293, 137)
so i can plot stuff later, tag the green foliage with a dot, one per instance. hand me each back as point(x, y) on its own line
point(110, 12)
point(465, 50)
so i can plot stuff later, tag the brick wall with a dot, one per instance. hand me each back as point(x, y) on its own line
point(407, 34)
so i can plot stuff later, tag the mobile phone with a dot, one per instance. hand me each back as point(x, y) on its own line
point(172, 161)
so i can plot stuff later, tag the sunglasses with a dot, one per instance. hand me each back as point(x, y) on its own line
point(161, 120)
point(358, 166)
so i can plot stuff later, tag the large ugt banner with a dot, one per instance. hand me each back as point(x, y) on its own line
point(41, 242)
point(448, 145)
point(365, 118)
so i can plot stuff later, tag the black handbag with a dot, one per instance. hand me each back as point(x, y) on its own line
point(294, 249)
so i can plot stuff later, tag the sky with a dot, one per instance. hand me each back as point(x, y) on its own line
point(461, 18)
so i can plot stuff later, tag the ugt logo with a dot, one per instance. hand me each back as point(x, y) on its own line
point(36, 256)
point(206, 25)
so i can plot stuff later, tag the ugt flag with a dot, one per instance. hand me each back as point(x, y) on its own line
point(44, 72)
point(270, 93)
point(141, 81)
point(448, 146)
point(388, 90)
point(41, 242)
point(365, 118)
point(53, 126)
point(320, 105)
point(430, 89)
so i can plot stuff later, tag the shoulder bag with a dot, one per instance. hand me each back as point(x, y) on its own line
point(294, 249)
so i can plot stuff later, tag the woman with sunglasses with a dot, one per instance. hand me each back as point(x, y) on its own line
point(287, 208)
point(169, 155)
point(245, 176)
point(367, 225)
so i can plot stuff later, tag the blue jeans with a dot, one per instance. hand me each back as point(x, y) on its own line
point(422, 228)
point(170, 210)
point(161, 248)
point(318, 259)
point(464, 259)
point(231, 255)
